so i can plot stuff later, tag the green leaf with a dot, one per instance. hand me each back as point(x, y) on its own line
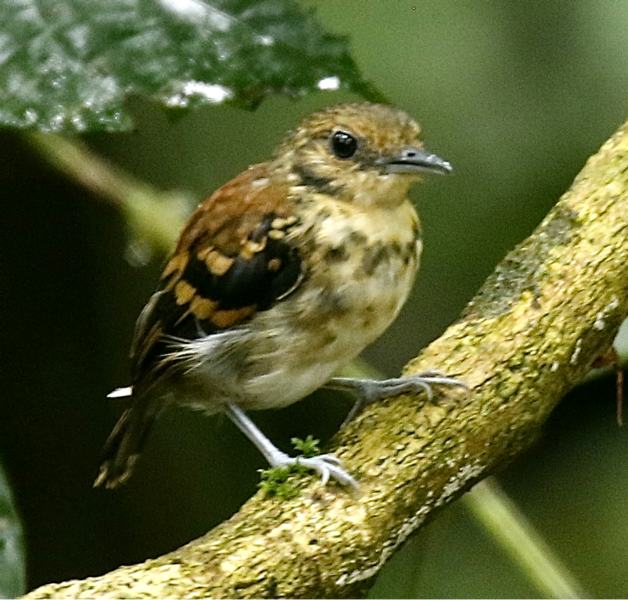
point(12, 556)
point(67, 65)
point(308, 447)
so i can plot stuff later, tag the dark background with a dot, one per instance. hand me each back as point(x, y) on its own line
point(516, 95)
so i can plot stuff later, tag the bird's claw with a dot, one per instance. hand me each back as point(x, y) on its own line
point(369, 391)
point(327, 466)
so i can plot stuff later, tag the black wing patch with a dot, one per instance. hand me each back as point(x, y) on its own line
point(265, 270)
point(204, 291)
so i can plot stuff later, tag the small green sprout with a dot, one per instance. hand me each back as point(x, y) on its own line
point(307, 447)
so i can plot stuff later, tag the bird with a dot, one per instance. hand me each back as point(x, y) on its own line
point(278, 279)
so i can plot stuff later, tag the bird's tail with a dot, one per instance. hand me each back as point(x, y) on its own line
point(125, 441)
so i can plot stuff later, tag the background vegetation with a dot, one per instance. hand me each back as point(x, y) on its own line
point(515, 95)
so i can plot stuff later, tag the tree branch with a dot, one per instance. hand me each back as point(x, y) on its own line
point(532, 332)
point(152, 215)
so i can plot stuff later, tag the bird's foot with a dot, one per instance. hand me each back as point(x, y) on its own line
point(327, 466)
point(369, 391)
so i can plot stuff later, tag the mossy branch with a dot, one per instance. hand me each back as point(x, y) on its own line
point(551, 307)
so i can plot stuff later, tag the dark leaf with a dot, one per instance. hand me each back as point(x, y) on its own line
point(67, 65)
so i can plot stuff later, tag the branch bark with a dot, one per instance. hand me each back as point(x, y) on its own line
point(532, 332)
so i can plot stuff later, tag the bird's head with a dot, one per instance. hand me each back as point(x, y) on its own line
point(364, 153)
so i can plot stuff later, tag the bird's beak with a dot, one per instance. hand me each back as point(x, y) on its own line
point(414, 160)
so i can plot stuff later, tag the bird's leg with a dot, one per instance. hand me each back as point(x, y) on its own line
point(369, 391)
point(327, 465)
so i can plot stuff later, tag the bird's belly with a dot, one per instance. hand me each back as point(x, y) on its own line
point(305, 339)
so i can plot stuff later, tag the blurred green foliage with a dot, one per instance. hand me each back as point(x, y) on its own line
point(12, 555)
point(516, 95)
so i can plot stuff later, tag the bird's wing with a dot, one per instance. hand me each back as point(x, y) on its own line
point(232, 260)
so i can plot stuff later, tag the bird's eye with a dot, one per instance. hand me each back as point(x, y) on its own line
point(343, 144)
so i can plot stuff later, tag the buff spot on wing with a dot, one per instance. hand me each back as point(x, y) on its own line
point(276, 234)
point(177, 263)
point(226, 318)
point(203, 252)
point(184, 292)
point(283, 222)
point(217, 263)
point(274, 264)
point(251, 248)
point(202, 308)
